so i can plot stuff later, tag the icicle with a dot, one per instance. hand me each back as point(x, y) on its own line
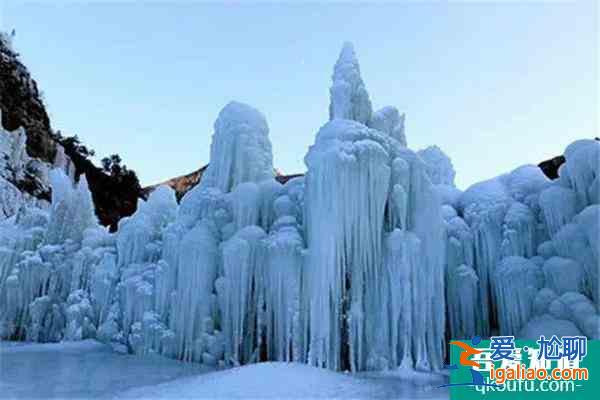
point(346, 191)
point(239, 291)
point(282, 282)
point(197, 271)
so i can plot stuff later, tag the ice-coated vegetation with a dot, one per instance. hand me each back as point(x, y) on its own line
point(355, 266)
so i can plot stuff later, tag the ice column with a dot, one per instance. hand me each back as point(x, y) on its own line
point(346, 192)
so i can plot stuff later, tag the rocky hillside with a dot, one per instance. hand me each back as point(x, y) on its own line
point(183, 184)
point(22, 106)
point(29, 148)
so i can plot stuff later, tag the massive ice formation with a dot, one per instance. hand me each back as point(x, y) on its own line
point(354, 266)
point(528, 233)
point(45, 263)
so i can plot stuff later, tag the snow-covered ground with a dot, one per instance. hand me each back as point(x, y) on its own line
point(89, 369)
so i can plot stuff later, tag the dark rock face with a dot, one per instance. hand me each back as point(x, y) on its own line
point(21, 105)
point(550, 167)
point(114, 197)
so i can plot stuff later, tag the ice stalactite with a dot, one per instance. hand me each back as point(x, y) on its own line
point(346, 191)
point(462, 290)
point(485, 220)
point(425, 220)
point(349, 97)
point(72, 210)
point(354, 175)
point(464, 319)
point(399, 291)
point(282, 283)
point(50, 257)
point(502, 214)
point(192, 310)
point(240, 291)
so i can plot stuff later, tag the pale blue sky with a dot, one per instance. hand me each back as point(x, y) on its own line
point(494, 85)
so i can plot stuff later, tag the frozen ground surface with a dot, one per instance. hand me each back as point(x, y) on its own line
point(85, 369)
point(91, 370)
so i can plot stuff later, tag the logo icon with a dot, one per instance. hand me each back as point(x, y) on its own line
point(468, 351)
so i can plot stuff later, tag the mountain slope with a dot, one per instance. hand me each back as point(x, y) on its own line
point(29, 148)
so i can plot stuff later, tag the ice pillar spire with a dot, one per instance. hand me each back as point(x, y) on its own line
point(349, 97)
point(240, 150)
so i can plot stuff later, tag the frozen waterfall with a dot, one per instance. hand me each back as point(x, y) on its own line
point(358, 265)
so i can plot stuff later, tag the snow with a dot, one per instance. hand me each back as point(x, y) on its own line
point(287, 380)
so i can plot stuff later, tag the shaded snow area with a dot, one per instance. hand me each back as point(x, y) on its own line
point(88, 369)
point(369, 262)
